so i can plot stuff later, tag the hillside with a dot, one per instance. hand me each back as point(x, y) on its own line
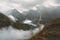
point(50, 32)
point(4, 21)
point(16, 14)
point(19, 26)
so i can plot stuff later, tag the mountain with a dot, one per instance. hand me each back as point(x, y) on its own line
point(4, 21)
point(53, 22)
point(32, 14)
point(18, 24)
point(46, 14)
point(49, 14)
point(51, 31)
point(16, 14)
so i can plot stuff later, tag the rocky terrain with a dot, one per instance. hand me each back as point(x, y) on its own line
point(6, 22)
point(50, 32)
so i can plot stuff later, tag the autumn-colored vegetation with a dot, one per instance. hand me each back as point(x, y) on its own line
point(50, 32)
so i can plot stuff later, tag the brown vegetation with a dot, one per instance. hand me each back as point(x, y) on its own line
point(50, 32)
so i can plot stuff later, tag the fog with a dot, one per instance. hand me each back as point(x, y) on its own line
point(49, 9)
point(25, 5)
point(14, 34)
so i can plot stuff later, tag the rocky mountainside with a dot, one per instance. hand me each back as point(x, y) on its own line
point(4, 21)
point(50, 32)
point(46, 14)
point(19, 26)
point(16, 14)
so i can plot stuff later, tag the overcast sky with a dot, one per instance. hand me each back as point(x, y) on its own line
point(25, 5)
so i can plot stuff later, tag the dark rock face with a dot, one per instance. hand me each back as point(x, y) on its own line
point(18, 25)
point(4, 21)
point(50, 32)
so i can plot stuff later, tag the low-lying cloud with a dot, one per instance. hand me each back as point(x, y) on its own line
point(14, 34)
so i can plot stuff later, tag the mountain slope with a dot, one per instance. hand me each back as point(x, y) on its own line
point(4, 21)
point(47, 14)
point(16, 14)
point(50, 32)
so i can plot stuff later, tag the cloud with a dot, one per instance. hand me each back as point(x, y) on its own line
point(22, 5)
point(14, 34)
point(25, 5)
point(57, 1)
